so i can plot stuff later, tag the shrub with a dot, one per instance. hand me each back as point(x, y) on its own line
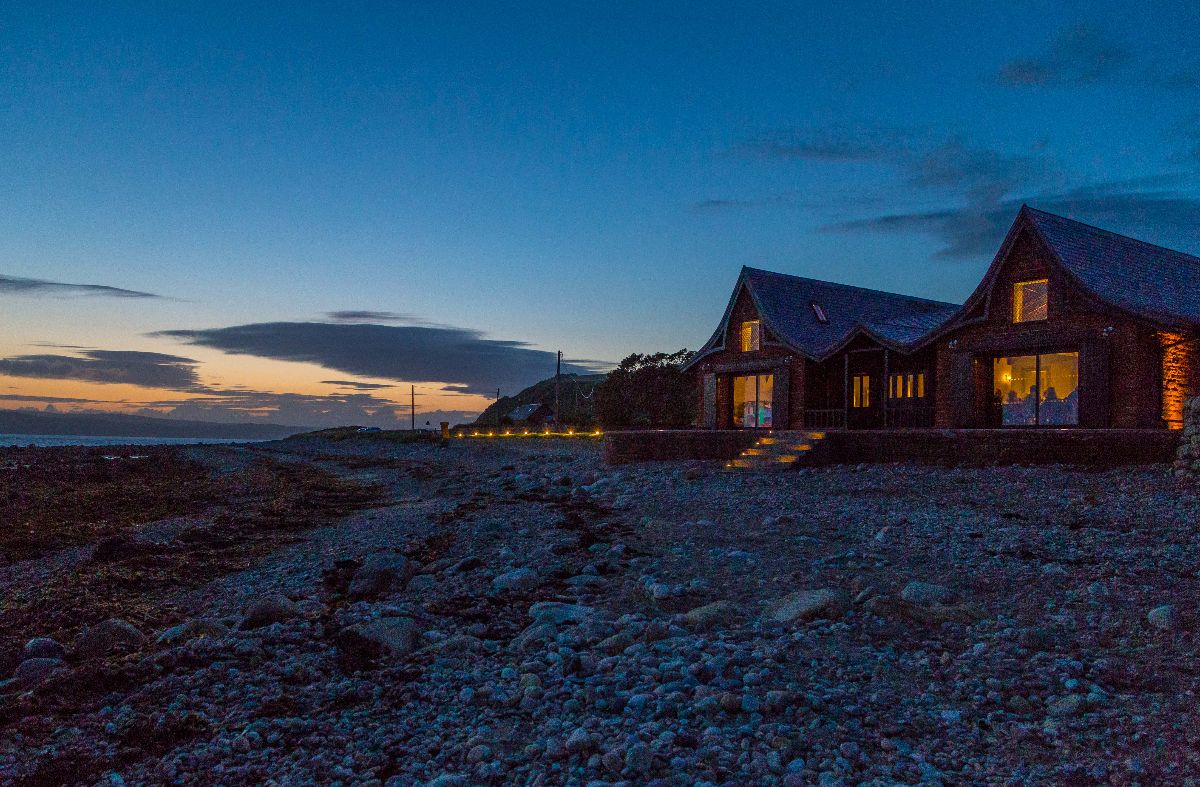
point(648, 391)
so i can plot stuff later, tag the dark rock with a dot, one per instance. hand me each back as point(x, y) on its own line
point(33, 671)
point(379, 575)
point(267, 610)
point(43, 648)
point(112, 635)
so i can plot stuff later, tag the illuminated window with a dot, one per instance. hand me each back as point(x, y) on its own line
point(907, 386)
point(819, 311)
point(860, 391)
point(1030, 301)
point(1037, 390)
point(753, 399)
point(751, 336)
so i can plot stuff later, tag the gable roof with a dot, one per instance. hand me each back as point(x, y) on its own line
point(1150, 281)
point(1140, 278)
point(785, 305)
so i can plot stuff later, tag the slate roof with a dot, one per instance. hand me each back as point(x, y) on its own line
point(784, 303)
point(1157, 283)
point(1148, 281)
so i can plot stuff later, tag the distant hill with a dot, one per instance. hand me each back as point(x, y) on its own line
point(117, 425)
point(577, 398)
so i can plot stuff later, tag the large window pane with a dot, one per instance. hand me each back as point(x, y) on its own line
point(766, 399)
point(1059, 377)
point(1037, 389)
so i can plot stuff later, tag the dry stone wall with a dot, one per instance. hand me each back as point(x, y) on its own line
point(1187, 457)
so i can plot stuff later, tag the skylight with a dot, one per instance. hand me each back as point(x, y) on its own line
point(819, 311)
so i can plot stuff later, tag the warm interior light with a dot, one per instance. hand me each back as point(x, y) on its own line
point(1176, 360)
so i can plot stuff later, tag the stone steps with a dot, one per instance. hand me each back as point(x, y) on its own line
point(776, 451)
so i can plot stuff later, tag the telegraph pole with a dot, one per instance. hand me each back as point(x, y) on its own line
point(557, 378)
point(412, 408)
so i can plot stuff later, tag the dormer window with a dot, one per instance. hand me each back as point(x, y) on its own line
point(751, 336)
point(1031, 300)
point(819, 311)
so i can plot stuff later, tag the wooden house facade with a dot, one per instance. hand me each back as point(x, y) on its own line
point(1071, 326)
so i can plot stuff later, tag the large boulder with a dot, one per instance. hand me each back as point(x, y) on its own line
point(557, 613)
point(516, 581)
point(718, 613)
point(805, 605)
point(927, 593)
point(1164, 617)
point(534, 635)
point(192, 629)
point(43, 648)
point(381, 574)
point(267, 610)
point(112, 635)
point(33, 671)
point(387, 638)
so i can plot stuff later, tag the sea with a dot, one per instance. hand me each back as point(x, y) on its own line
point(44, 440)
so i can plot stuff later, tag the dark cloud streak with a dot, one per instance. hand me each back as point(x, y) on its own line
point(974, 231)
point(15, 285)
point(462, 359)
point(130, 367)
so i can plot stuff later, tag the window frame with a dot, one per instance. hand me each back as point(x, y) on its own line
point(1079, 387)
point(860, 391)
point(750, 339)
point(1018, 300)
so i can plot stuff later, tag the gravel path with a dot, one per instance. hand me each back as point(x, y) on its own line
point(521, 614)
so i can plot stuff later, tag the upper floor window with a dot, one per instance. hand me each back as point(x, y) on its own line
point(1030, 300)
point(751, 336)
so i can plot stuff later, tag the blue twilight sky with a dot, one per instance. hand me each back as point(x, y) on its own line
point(485, 183)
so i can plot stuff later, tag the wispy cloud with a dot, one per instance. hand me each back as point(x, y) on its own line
point(131, 367)
point(56, 399)
point(359, 315)
point(972, 231)
point(1085, 54)
point(937, 165)
point(15, 285)
point(462, 359)
point(357, 385)
point(1080, 55)
point(825, 143)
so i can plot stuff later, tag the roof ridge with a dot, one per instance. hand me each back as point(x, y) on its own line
point(1112, 233)
point(852, 287)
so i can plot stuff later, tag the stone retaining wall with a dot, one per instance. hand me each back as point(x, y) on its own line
point(982, 447)
point(949, 447)
point(1187, 455)
point(661, 445)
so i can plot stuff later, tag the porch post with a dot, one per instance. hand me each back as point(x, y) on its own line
point(846, 393)
point(708, 406)
point(887, 388)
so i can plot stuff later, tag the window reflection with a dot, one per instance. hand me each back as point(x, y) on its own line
point(753, 397)
point(1037, 390)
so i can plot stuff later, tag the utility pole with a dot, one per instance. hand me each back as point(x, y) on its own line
point(412, 408)
point(497, 407)
point(557, 378)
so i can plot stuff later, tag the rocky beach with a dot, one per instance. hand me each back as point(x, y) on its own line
point(368, 612)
